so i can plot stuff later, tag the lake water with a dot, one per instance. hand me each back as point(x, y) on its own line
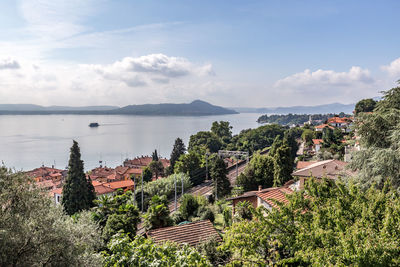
point(28, 141)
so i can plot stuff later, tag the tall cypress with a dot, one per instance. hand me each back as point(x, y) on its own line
point(219, 174)
point(78, 191)
point(283, 165)
point(178, 150)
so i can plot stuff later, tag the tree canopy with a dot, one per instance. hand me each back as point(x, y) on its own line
point(365, 105)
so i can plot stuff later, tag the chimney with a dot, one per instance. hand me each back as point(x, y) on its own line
point(259, 187)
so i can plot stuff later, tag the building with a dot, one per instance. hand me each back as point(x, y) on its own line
point(193, 233)
point(47, 173)
point(317, 145)
point(331, 168)
point(321, 127)
point(144, 161)
point(266, 197)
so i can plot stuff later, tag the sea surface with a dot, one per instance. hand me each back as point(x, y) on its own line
point(30, 141)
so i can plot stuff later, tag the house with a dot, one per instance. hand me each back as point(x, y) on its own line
point(302, 164)
point(266, 197)
point(47, 173)
point(344, 123)
point(331, 168)
point(56, 195)
point(125, 185)
point(126, 173)
point(193, 233)
point(101, 190)
point(317, 145)
point(321, 127)
point(144, 161)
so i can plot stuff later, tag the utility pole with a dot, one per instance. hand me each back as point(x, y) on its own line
point(206, 166)
point(175, 192)
point(142, 192)
point(237, 168)
point(182, 185)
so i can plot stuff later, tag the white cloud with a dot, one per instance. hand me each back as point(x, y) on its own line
point(326, 78)
point(393, 68)
point(156, 68)
point(8, 63)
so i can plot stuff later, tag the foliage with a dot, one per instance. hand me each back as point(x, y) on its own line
point(157, 168)
point(335, 225)
point(365, 105)
point(154, 155)
point(162, 187)
point(307, 136)
point(122, 220)
point(215, 255)
point(189, 163)
point(188, 207)
point(157, 215)
point(283, 165)
point(259, 172)
point(202, 142)
point(296, 119)
point(147, 174)
point(252, 140)
point(35, 232)
point(227, 215)
point(243, 211)
point(223, 130)
point(290, 138)
point(143, 252)
point(218, 174)
point(78, 191)
point(178, 150)
point(379, 159)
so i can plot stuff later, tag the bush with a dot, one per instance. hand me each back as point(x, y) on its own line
point(188, 207)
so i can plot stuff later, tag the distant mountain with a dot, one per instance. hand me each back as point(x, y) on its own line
point(319, 109)
point(196, 108)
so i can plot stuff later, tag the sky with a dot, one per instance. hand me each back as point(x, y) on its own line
point(230, 53)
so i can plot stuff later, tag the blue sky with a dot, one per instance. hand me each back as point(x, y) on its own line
point(231, 53)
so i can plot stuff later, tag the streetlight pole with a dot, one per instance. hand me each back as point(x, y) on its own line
point(175, 192)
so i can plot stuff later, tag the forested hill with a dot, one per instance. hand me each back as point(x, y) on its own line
point(195, 108)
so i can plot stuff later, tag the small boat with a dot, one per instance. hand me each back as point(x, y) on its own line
point(93, 124)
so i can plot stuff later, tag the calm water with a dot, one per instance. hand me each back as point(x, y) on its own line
point(27, 142)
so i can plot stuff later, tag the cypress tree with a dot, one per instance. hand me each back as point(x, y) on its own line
point(78, 191)
point(283, 165)
point(218, 173)
point(178, 150)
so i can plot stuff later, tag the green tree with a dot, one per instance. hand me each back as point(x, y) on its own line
point(155, 155)
point(189, 163)
point(290, 137)
point(124, 219)
point(178, 150)
point(283, 165)
point(202, 142)
point(123, 251)
point(188, 207)
point(36, 232)
point(147, 174)
point(259, 172)
point(223, 130)
point(157, 168)
point(378, 160)
point(275, 145)
point(334, 225)
point(308, 136)
point(78, 191)
point(218, 174)
point(365, 105)
point(157, 215)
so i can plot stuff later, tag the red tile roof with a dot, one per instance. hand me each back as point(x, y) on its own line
point(119, 184)
point(275, 194)
point(339, 120)
point(144, 161)
point(328, 168)
point(191, 233)
point(101, 189)
point(302, 164)
point(317, 141)
point(323, 126)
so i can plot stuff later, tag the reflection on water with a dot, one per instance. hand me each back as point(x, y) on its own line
point(27, 142)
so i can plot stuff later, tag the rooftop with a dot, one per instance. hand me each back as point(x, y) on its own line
point(328, 168)
point(191, 233)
